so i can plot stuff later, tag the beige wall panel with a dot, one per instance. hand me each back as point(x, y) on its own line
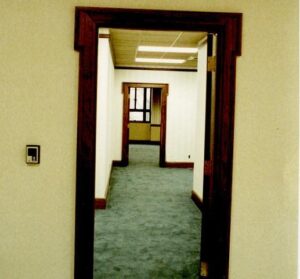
point(155, 133)
point(139, 131)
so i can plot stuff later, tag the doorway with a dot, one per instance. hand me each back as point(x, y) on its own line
point(160, 95)
point(217, 199)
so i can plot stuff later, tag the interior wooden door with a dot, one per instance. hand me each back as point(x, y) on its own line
point(208, 180)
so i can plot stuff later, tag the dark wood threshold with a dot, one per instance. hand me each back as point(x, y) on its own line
point(148, 142)
point(181, 165)
point(197, 200)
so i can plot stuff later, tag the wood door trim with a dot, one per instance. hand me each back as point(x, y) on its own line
point(228, 27)
point(125, 133)
point(153, 69)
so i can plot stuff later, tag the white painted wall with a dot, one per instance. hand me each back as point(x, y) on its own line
point(38, 104)
point(200, 120)
point(104, 146)
point(180, 136)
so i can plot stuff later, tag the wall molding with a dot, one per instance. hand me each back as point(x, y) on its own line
point(154, 69)
point(181, 165)
point(104, 36)
point(197, 200)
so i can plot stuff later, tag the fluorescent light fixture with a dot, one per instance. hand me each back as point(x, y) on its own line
point(160, 60)
point(168, 49)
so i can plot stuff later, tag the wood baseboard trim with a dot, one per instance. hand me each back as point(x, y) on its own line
point(100, 203)
point(181, 165)
point(118, 163)
point(197, 200)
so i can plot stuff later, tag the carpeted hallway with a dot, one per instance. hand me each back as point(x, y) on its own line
point(151, 228)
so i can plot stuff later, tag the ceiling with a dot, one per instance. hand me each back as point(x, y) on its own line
point(125, 42)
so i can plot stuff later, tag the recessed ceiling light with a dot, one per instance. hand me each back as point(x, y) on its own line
point(160, 60)
point(168, 49)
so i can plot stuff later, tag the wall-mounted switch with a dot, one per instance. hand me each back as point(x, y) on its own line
point(33, 154)
point(189, 156)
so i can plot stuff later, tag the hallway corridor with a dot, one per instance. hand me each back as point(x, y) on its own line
point(151, 227)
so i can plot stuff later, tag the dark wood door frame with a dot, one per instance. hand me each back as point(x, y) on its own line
point(125, 133)
point(216, 235)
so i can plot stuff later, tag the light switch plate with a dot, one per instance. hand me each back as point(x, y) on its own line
point(33, 154)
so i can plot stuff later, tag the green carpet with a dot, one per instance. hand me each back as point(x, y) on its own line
point(151, 227)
